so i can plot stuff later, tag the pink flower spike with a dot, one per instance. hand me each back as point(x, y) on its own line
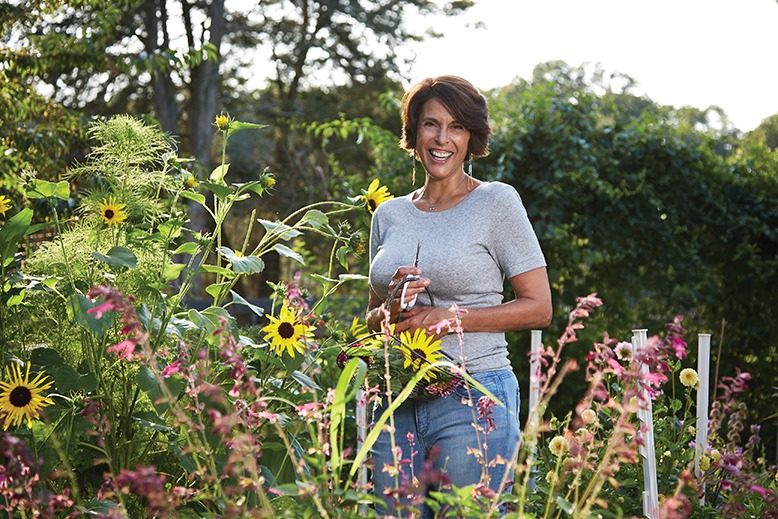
point(124, 350)
point(99, 311)
point(171, 369)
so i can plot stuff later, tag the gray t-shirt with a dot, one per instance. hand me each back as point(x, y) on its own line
point(466, 252)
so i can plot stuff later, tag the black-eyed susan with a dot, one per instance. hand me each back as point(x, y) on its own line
point(419, 350)
point(21, 397)
point(287, 332)
point(112, 212)
point(5, 205)
point(376, 195)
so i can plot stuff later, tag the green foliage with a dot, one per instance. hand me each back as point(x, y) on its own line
point(650, 210)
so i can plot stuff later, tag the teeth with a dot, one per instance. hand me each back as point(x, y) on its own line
point(441, 154)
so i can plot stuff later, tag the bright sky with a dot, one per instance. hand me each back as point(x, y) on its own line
point(680, 52)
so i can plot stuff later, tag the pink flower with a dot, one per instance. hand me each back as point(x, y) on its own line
point(124, 350)
point(679, 346)
point(762, 491)
point(100, 310)
point(171, 369)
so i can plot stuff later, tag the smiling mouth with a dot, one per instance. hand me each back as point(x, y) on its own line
point(441, 155)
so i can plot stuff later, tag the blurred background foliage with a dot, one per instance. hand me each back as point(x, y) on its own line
point(661, 210)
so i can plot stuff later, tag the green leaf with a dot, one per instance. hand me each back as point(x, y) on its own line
point(214, 289)
point(151, 421)
point(170, 230)
point(255, 186)
point(46, 189)
point(16, 299)
point(352, 277)
point(78, 304)
point(11, 232)
point(149, 384)
point(195, 197)
point(189, 247)
point(238, 126)
point(219, 172)
point(172, 271)
point(564, 505)
point(243, 264)
point(118, 257)
point(238, 300)
point(323, 279)
point(304, 380)
point(283, 250)
point(342, 256)
point(213, 269)
point(219, 190)
point(283, 231)
point(316, 218)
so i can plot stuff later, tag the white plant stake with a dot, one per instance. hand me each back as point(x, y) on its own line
point(534, 376)
point(646, 417)
point(703, 375)
point(361, 433)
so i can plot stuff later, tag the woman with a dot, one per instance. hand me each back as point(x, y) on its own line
point(472, 236)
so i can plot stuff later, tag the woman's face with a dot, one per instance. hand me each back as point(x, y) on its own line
point(441, 141)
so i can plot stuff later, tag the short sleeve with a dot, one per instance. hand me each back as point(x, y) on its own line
point(513, 243)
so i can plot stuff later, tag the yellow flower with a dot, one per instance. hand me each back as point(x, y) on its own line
point(357, 329)
point(111, 212)
point(704, 463)
point(589, 417)
point(191, 182)
point(558, 445)
point(286, 332)
point(376, 195)
point(715, 455)
point(222, 122)
point(268, 180)
point(5, 204)
point(20, 396)
point(420, 349)
point(689, 377)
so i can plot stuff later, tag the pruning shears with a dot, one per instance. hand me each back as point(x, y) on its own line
point(407, 305)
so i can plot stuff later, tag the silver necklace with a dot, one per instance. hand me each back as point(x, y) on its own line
point(430, 206)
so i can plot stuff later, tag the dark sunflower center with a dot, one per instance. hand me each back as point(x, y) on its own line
point(286, 330)
point(109, 214)
point(372, 204)
point(20, 396)
point(419, 354)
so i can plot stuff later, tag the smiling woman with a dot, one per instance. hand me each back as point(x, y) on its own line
point(475, 234)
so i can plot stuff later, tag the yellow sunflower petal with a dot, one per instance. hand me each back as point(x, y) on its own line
point(21, 398)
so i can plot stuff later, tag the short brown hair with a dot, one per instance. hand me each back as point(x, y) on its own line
point(461, 99)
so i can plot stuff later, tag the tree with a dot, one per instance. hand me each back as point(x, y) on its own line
point(658, 215)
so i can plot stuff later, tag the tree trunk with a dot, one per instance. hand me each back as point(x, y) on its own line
point(163, 89)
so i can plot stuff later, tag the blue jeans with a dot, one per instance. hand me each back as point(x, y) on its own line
point(442, 432)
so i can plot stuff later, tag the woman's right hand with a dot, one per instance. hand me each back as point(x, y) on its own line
point(407, 293)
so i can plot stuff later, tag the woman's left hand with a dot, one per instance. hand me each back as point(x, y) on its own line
point(439, 321)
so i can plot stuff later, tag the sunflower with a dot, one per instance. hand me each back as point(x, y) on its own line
point(112, 212)
point(222, 122)
point(5, 204)
point(419, 349)
point(287, 332)
point(376, 195)
point(20, 397)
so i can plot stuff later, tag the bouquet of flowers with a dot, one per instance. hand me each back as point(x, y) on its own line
point(402, 356)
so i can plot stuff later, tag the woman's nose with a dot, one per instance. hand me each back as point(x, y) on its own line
point(442, 136)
